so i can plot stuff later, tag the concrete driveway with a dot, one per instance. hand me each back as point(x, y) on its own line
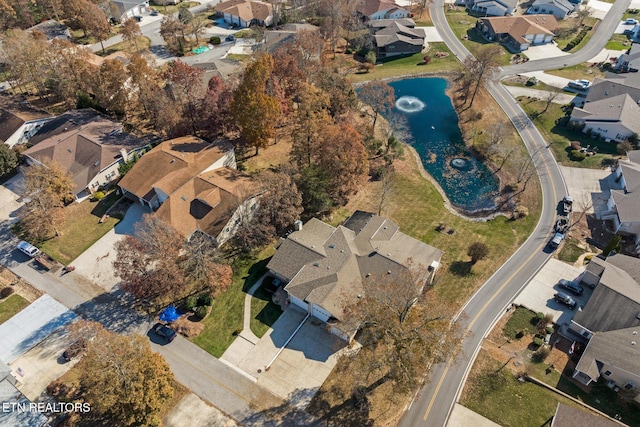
point(590, 188)
point(96, 263)
point(431, 34)
point(599, 9)
point(10, 198)
point(43, 364)
point(544, 51)
point(299, 370)
point(606, 55)
point(194, 412)
point(538, 294)
point(549, 79)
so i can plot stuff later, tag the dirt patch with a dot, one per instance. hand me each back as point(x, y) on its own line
point(187, 327)
point(20, 286)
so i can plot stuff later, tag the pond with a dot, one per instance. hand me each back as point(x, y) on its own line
point(432, 123)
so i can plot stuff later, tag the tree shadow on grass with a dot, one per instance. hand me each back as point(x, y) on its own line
point(461, 268)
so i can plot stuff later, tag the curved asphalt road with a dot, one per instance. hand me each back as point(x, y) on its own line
point(433, 404)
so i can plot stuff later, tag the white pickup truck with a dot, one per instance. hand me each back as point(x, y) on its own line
point(581, 84)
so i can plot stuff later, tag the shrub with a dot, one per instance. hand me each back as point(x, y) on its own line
point(539, 316)
point(521, 334)
point(538, 341)
point(520, 212)
point(98, 195)
point(541, 354)
point(427, 59)
point(624, 147)
point(575, 145)
point(205, 300)
point(5, 292)
point(532, 81)
point(577, 155)
point(371, 57)
point(215, 40)
point(550, 329)
point(190, 303)
point(201, 312)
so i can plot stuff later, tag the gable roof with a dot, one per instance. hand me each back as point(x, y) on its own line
point(84, 150)
point(246, 9)
point(615, 302)
point(621, 108)
point(564, 5)
point(171, 165)
point(568, 416)
point(12, 117)
point(634, 156)
point(619, 348)
point(610, 87)
point(370, 7)
point(383, 23)
point(627, 263)
point(124, 6)
point(206, 202)
point(397, 32)
point(326, 265)
point(519, 26)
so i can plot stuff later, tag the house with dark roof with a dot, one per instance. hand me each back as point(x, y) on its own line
point(245, 12)
point(492, 7)
point(274, 39)
point(568, 416)
point(609, 323)
point(558, 8)
point(623, 206)
point(397, 37)
point(629, 62)
point(52, 29)
point(381, 9)
point(517, 33)
point(90, 147)
point(614, 85)
point(121, 10)
point(193, 186)
point(18, 123)
point(615, 118)
point(325, 267)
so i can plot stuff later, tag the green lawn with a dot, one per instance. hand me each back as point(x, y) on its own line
point(225, 320)
point(10, 306)
point(412, 64)
point(562, 42)
point(521, 319)
point(539, 86)
point(576, 72)
point(560, 137)
point(631, 13)
point(463, 24)
point(264, 312)
point(618, 42)
point(570, 251)
point(498, 395)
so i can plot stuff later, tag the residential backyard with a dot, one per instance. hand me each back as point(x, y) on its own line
point(560, 137)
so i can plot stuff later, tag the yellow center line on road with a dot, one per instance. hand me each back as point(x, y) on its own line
point(506, 282)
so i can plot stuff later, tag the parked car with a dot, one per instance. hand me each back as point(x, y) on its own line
point(154, 13)
point(565, 299)
point(581, 84)
point(230, 38)
point(556, 240)
point(137, 18)
point(271, 284)
point(630, 21)
point(164, 331)
point(74, 350)
point(28, 249)
point(567, 204)
point(570, 286)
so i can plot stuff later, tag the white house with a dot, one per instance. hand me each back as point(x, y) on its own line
point(623, 206)
point(324, 267)
point(125, 9)
point(558, 8)
point(615, 118)
point(18, 125)
point(382, 9)
point(88, 146)
point(492, 7)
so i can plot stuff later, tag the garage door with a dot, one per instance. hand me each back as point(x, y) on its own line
point(319, 312)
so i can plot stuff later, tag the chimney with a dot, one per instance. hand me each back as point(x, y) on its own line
point(298, 225)
point(124, 155)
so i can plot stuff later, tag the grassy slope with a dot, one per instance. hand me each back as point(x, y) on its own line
point(10, 306)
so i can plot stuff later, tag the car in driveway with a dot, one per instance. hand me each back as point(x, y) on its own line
point(630, 21)
point(570, 286)
point(164, 331)
point(565, 299)
point(556, 240)
point(28, 249)
point(154, 13)
point(230, 38)
point(271, 284)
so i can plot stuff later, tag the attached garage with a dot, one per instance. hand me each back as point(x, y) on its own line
point(319, 312)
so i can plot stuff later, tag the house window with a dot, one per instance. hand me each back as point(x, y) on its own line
point(629, 386)
point(607, 373)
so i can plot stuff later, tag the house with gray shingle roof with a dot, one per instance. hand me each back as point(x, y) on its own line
point(19, 122)
point(623, 206)
point(324, 267)
point(558, 8)
point(397, 39)
point(630, 61)
point(568, 416)
point(492, 7)
point(610, 322)
point(614, 118)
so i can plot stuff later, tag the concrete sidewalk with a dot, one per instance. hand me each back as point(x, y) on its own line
point(550, 79)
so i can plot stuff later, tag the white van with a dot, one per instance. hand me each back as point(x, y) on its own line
point(28, 248)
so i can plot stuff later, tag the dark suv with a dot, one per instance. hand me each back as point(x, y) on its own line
point(570, 286)
point(164, 331)
point(565, 299)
